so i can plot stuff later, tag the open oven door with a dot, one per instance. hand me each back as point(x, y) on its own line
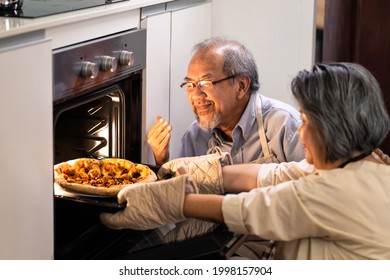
point(217, 245)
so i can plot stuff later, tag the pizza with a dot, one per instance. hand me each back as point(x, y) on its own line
point(105, 177)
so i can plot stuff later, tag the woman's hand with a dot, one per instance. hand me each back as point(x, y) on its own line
point(151, 205)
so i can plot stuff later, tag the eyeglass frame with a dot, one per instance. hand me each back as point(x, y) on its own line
point(212, 82)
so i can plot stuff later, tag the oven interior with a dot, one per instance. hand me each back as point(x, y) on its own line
point(101, 124)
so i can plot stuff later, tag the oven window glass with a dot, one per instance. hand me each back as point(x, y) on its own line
point(91, 127)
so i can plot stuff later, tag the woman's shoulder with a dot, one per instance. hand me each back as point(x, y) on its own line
point(360, 173)
point(381, 157)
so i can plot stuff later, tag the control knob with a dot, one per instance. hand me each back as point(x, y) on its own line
point(125, 58)
point(108, 63)
point(89, 69)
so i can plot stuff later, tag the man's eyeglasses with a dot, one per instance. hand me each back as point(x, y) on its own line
point(204, 84)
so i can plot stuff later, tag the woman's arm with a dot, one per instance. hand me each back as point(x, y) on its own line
point(240, 177)
point(236, 178)
point(204, 207)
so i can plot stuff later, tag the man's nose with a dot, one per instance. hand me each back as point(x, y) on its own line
point(197, 93)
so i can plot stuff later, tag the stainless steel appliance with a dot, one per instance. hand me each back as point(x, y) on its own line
point(97, 107)
point(97, 113)
point(40, 8)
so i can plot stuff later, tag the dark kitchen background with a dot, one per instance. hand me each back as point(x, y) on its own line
point(358, 31)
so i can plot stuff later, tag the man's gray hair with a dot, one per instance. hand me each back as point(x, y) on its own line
point(344, 101)
point(238, 60)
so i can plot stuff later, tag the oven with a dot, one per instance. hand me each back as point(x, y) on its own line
point(97, 112)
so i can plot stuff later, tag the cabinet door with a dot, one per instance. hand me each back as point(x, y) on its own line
point(156, 75)
point(189, 26)
point(26, 200)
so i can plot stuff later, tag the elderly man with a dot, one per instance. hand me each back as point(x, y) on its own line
point(222, 87)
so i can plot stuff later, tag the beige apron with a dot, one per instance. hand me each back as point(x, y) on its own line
point(252, 246)
point(268, 157)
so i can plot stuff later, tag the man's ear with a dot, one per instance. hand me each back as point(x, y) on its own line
point(243, 86)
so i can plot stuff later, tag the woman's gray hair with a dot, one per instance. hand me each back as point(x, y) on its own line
point(238, 60)
point(345, 103)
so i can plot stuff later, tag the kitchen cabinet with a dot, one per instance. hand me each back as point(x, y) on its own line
point(156, 75)
point(170, 37)
point(26, 208)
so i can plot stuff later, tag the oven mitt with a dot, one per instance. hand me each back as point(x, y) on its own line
point(205, 170)
point(150, 205)
point(188, 229)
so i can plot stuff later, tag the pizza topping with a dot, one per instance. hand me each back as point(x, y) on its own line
point(104, 173)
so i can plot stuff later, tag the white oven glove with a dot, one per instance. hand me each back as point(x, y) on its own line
point(188, 229)
point(205, 170)
point(150, 205)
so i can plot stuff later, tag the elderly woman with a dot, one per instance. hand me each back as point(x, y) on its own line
point(332, 205)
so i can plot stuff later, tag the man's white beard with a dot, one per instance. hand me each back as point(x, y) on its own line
point(213, 123)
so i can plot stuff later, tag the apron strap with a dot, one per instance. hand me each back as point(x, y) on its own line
point(260, 124)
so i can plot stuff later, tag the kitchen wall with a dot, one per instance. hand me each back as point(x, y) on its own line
point(280, 33)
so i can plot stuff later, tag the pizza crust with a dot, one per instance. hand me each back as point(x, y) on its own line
point(147, 176)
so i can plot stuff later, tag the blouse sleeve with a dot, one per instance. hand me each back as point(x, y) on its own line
point(273, 173)
point(272, 213)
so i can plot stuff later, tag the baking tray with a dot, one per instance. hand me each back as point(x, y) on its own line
point(105, 203)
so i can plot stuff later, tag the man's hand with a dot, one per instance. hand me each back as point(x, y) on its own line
point(158, 139)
